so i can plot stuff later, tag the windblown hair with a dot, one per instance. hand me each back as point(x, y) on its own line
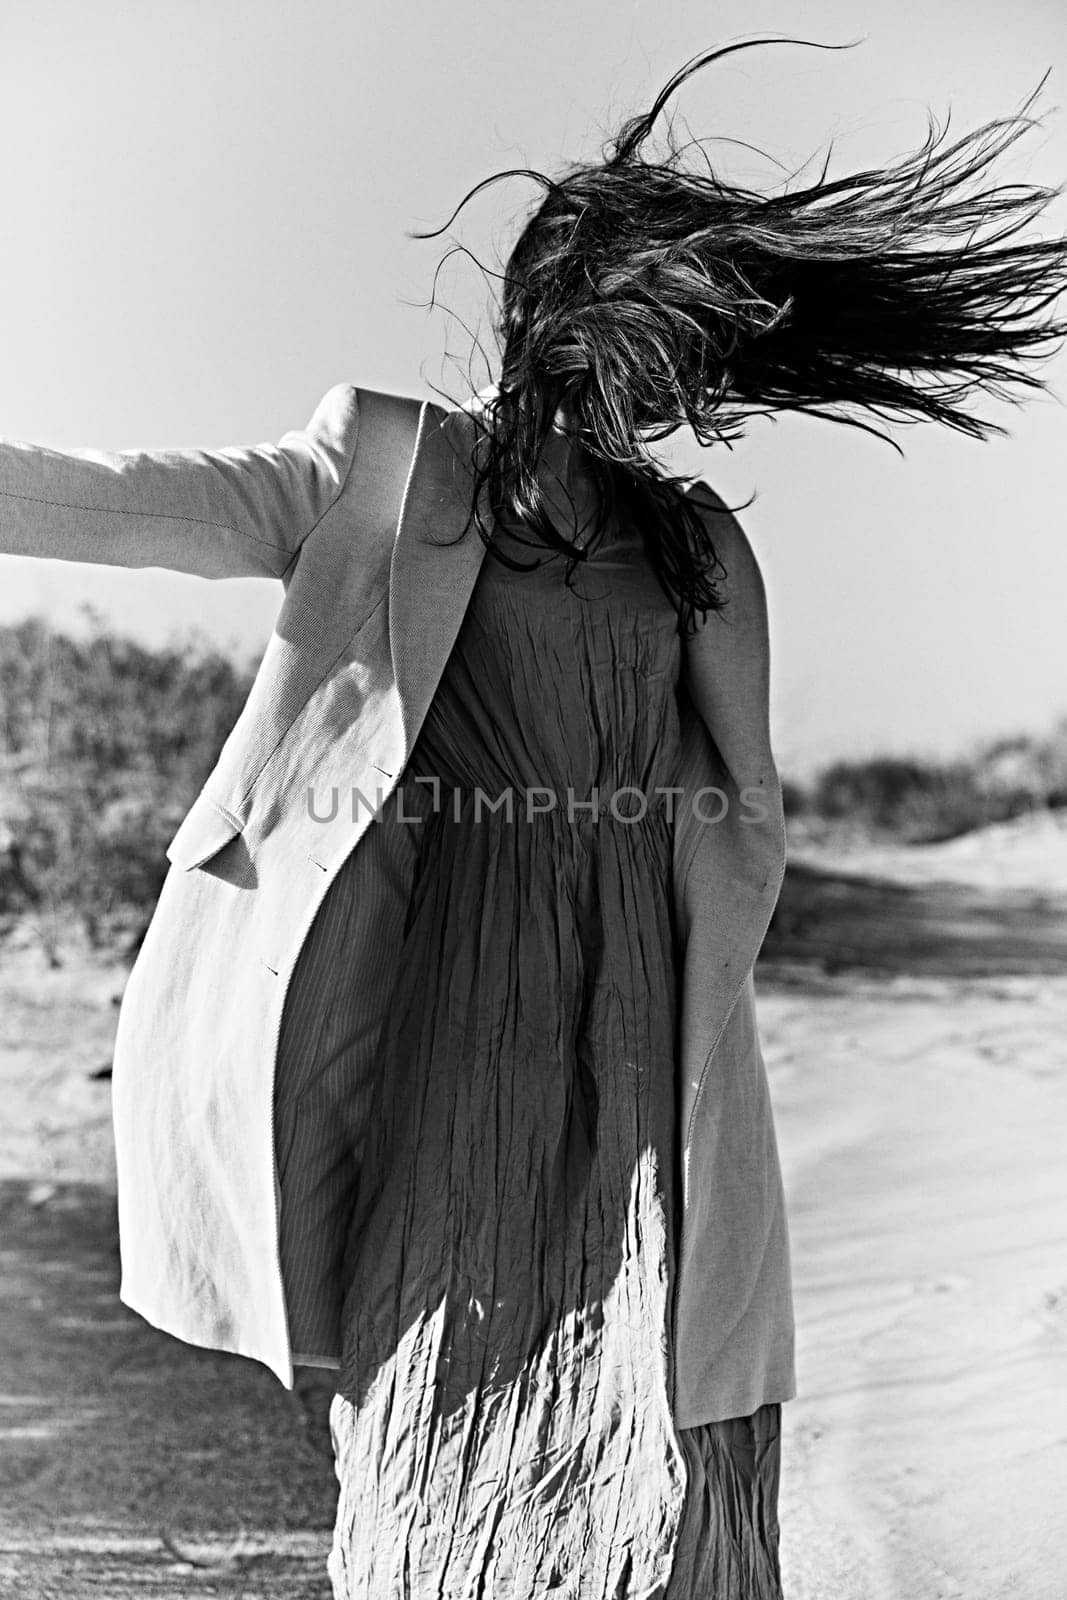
point(646, 294)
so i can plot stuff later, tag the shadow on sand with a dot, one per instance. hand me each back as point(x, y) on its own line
point(132, 1464)
point(835, 921)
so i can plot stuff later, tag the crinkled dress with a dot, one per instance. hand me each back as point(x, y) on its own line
point(503, 1427)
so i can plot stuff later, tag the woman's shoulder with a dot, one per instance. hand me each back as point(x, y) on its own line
point(728, 537)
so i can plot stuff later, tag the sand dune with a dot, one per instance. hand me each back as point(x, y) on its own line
point(1029, 853)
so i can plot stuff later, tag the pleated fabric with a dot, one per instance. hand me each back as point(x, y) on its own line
point(503, 1426)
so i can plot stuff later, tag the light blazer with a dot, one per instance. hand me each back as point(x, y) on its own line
point(347, 513)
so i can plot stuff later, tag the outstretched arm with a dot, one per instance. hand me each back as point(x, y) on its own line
point(239, 512)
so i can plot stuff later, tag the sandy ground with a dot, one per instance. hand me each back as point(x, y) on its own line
point(130, 1464)
point(922, 1128)
point(914, 1015)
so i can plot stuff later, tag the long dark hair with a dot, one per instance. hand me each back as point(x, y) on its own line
point(646, 293)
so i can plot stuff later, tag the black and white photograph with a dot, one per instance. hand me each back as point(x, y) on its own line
point(533, 800)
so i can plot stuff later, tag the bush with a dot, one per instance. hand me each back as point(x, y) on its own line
point(923, 801)
point(796, 801)
point(103, 745)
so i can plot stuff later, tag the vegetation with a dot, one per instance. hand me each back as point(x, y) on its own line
point(921, 801)
point(103, 746)
point(104, 743)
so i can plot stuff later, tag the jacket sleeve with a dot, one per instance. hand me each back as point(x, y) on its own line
point(237, 512)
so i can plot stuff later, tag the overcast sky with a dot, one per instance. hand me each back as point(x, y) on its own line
point(205, 210)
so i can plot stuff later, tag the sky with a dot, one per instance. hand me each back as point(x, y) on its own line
point(207, 210)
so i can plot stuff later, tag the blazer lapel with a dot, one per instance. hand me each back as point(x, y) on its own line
point(434, 563)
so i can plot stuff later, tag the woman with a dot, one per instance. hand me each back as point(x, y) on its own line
point(451, 1082)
